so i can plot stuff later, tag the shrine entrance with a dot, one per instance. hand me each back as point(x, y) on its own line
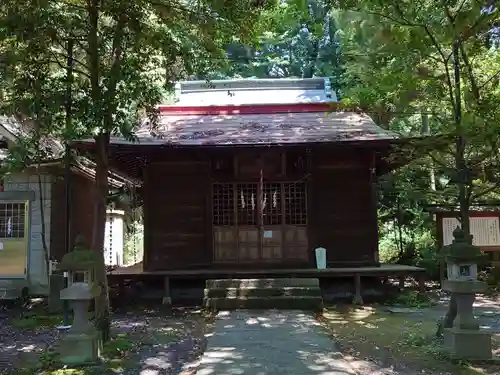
point(259, 222)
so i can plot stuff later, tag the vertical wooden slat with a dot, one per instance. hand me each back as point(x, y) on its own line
point(283, 221)
point(236, 231)
point(260, 196)
point(147, 249)
point(311, 212)
point(374, 213)
point(235, 213)
point(283, 164)
point(209, 221)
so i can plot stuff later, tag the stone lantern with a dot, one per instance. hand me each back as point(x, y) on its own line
point(80, 344)
point(464, 339)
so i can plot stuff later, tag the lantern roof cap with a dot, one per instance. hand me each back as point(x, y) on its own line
point(462, 249)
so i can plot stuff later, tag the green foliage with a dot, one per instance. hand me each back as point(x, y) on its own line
point(412, 299)
point(400, 67)
point(118, 347)
point(142, 48)
point(301, 39)
point(133, 248)
point(491, 276)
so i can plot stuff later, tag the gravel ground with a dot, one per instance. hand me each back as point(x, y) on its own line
point(18, 347)
point(161, 345)
point(167, 345)
point(486, 309)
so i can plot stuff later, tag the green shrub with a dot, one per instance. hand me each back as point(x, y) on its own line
point(412, 299)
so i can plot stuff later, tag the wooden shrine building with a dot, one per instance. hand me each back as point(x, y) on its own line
point(255, 175)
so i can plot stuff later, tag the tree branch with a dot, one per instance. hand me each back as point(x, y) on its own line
point(458, 10)
point(56, 61)
point(486, 191)
point(439, 162)
point(445, 59)
point(114, 72)
point(484, 17)
point(65, 56)
point(497, 74)
point(470, 71)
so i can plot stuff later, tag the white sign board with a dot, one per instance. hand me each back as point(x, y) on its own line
point(486, 230)
point(268, 234)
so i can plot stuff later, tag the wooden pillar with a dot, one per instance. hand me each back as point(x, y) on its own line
point(167, 300)
point(421, 282)
point(374, 211)
point(358, 299)
point(402, 282)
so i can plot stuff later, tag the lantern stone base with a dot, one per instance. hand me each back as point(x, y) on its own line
point(468, 344)
point(79, 348)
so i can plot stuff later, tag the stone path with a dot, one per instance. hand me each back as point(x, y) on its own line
point(270, 342)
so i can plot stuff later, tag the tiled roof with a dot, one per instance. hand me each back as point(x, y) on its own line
point(13, 129)
point(254, 129)
point(19, 129)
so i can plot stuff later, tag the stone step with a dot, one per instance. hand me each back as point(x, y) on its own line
point(263, 292)
point(314, 303)
point(262, 283)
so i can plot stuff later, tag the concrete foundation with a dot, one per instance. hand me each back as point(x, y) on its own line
point(468, 344)
point(79, 348)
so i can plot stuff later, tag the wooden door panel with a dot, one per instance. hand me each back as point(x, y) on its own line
point(225, 246)
point(248, 244)
point(241, 234)
point(295, 243)
point(272, 241)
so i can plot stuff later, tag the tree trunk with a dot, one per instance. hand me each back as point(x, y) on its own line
point(102, 314)
point(426, 131)
point(461, 144)
point(42, 218)
point(102, 310)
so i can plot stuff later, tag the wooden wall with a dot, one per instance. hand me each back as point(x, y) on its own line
point(341, 210)
point(342, 214)
point(176, 232)
point(81, 211)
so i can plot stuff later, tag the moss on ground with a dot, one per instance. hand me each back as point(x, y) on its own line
point(121, 353)
point(115, 356)
point(404, 340)
point(33, 321)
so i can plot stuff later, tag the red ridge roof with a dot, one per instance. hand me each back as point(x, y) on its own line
point(247, 109)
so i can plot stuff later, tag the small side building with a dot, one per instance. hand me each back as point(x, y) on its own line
point(33, 214)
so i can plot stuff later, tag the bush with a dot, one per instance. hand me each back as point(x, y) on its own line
point(412, 299)
point(419, 249)
point(428, 259)
point(134, 245)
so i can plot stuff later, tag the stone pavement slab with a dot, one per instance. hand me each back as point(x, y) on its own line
point(271, 342)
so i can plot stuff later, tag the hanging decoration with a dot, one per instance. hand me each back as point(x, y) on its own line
point(261, 193)
point(134, 223)
point(242, 197)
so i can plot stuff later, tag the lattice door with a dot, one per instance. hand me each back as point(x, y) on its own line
point(252, 225)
